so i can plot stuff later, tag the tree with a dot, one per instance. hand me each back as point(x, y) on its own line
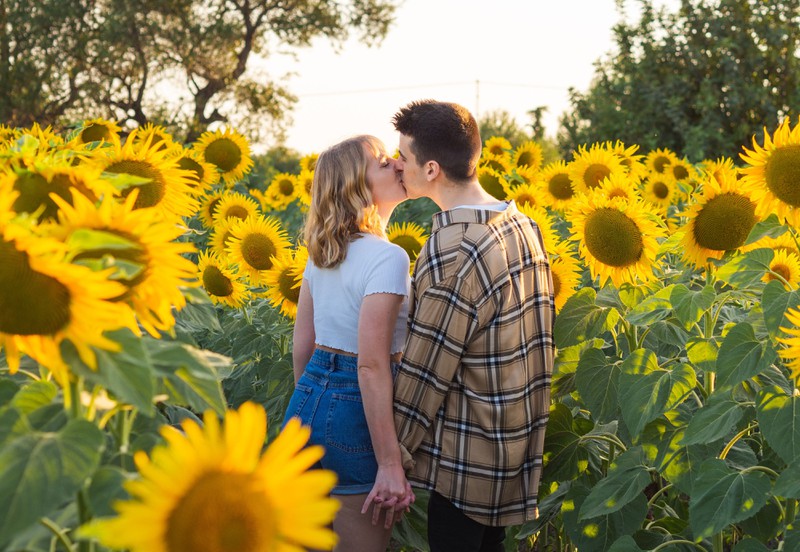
point(501, 123)
point(700, 81)
point(183, 63)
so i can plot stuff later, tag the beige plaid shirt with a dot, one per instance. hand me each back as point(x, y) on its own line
point(472, 395)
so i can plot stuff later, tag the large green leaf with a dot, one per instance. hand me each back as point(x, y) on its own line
point(581, 319)
point(564, 456)
point(651, 310)
point(714, 421)
point(746, 269)
point(750, 545)
point(41, 471)
point(690, 305)
point(778, 417)
point(625, 544)
point(627, 477)
point(788, 483)
point(646, 391)
point(775, 300)
point(597, 381)
point(723, 496)
point(599, 534)
point(34, 395)
point(766, 524)
point(703, 353)
point(106, 488)
point(742, 356)
point(770, 226)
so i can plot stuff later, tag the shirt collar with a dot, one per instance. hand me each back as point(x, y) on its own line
point(478, 216)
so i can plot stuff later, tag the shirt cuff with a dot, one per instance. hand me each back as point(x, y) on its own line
point(406, 458)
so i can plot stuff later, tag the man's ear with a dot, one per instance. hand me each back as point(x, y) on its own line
point(432, 170)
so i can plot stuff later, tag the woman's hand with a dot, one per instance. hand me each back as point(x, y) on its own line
point(391, 493)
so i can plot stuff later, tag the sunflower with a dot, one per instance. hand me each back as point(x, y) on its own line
point(497, 145)
point(522, 175)
point(305, 180)
point(204, 175)
point(720, 220)
point(786, 265)
point(309, 162)
point(410, 236)
point(659, 159)
point(590, 167)
point(235, 205)
point(619, 185)
point(208, 206)
point(524, 194)
point(228, 151)
point(681, 170)
point(142, 249)
point(220, 281)
point(715, 169)
point(556, 186)
point(493, 182)
point(617, 239)
point(221, 235)
point(167, 187)
point(45, 300)
point(785, 242)
point(156, 135)
point(774, 172)
point(255, 243)
point(791, 353)
point(7, 135)
point(659, 189)
point(544, 222)
point(210, 489)
point(528, 154)
point(98, 130)
point(627, 155)
point(283, 189)
point(500, 164)
point(283, 281)
point(566, 271)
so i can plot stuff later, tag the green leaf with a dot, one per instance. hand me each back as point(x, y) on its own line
point(12, 424)
point(770, 227)
point(703, 353)
point(746, 269)
point(625, 544)
point(778, 416)
point(713, 422)
point(649, 311)
point(106, 488)
point(766, 524)
point(723, 496)
point(564, 456)
point(600, 533)
point(788, 483)
point(646, 391)
point(34, 395)
point(581, 319)
point(775, 300)
point(742, 356)
point(597, 381)
point(689, 305)
point(86, 239)
point(40, 472)
point(627, 478)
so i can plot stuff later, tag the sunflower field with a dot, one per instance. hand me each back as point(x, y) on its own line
point(146, 312)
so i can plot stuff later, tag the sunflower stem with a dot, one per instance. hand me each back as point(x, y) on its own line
point(736, 437)
point(72, 398)
point(59, 532)
point(84, 516)
point(791, 511)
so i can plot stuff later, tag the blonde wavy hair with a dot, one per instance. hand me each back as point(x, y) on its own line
point(341, 201)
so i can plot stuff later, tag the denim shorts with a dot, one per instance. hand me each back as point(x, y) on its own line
point(328, 400)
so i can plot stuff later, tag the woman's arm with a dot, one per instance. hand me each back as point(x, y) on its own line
point(304, 336)
point(376, 325)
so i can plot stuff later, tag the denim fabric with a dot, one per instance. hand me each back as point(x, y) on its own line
point(328, 400)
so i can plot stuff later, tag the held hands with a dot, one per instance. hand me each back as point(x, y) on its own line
point(391, 494)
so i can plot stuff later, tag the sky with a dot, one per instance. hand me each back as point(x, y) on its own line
point(513, 55)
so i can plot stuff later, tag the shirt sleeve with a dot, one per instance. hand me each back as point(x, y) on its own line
point(388, 272)
point(445, 318)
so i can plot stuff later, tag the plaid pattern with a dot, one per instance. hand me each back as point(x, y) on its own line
point(472, 395)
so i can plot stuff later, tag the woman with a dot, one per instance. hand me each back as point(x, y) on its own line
point(350, 328)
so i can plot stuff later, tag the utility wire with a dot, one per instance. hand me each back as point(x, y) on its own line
point(417, 86)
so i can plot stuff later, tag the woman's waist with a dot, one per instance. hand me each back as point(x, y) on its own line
point(348, 355)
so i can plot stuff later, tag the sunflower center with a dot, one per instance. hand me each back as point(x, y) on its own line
point(783, 172)
point(411, 245)
point(496, 165)
point(560, 186)
point(724, 222)
point(595, 174)
point(491, 183)
point(224, 154)
point(222, 512)
point(660, 190)
point(258, 250)
point(525, 159)
point(216, 283)
point(613, 238)
point(151, 193)
point(189, 164)
point(660, 163)
point(525, 199)
point(781, 269)
point(680, 172)
point(237, 211)
point(95, 133)
point(617, 192)
point(33, 191)
point(286, 283)
point(31, 303)
point(556, 284)
point(286, 187)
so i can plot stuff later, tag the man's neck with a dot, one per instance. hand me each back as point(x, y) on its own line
point(448, 195)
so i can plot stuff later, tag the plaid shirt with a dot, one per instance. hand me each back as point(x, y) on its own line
point(472, 395)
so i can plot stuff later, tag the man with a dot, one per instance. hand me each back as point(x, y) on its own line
point(472, 394)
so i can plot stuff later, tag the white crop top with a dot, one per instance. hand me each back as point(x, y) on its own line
point(372, 265)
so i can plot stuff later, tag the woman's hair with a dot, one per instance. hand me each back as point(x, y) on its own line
point(341, 201)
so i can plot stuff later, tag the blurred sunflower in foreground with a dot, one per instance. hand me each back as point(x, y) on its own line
point(210, 489)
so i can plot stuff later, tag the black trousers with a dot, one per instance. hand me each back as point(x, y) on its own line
point(449, 530)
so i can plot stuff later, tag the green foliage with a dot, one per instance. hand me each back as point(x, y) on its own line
point(699, 81)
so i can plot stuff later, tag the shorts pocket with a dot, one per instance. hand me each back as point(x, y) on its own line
point(347, 428)
point(297, 402)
